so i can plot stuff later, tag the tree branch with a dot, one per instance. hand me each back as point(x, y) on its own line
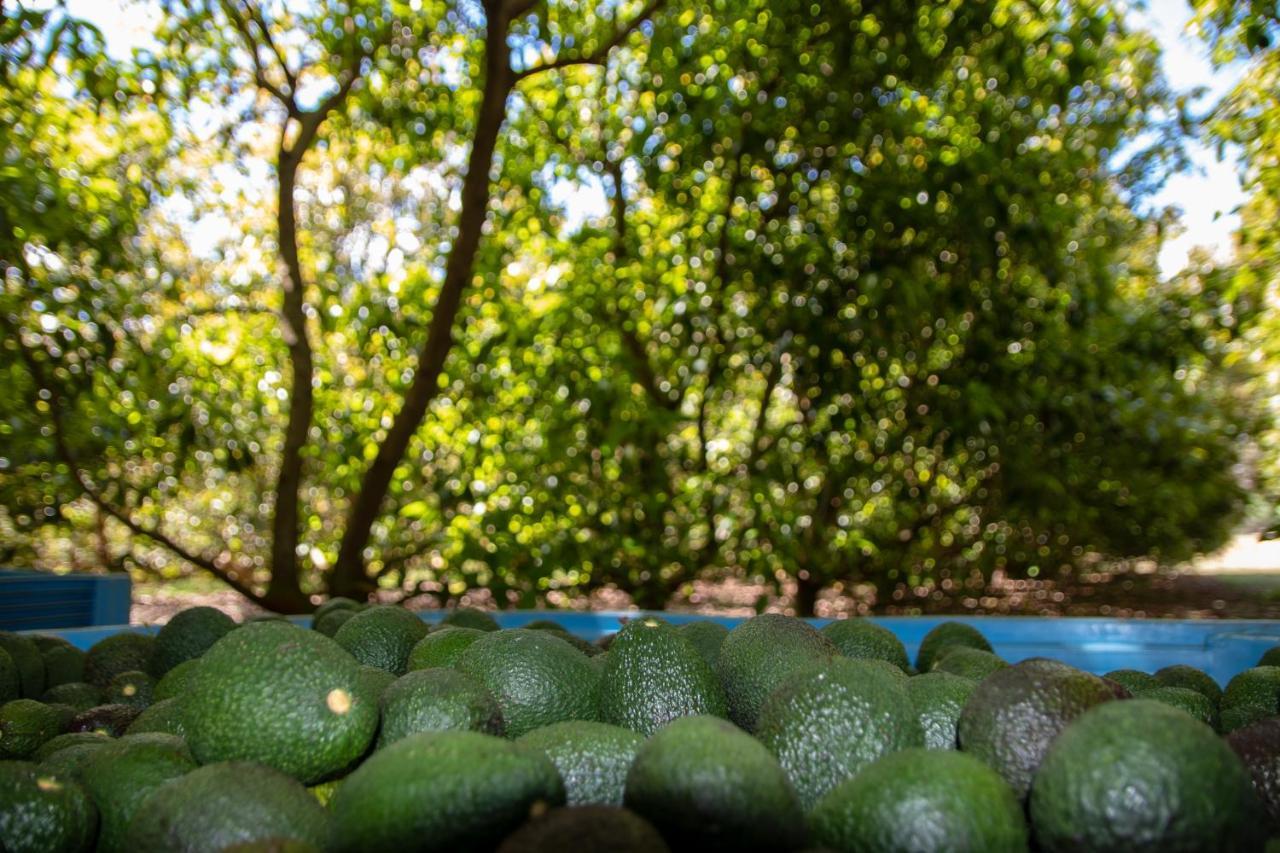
point(601, 53)
point(252, 46)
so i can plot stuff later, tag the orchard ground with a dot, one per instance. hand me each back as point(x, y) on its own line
point(1242, 581)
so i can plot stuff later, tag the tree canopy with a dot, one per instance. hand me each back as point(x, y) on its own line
point(542, 296)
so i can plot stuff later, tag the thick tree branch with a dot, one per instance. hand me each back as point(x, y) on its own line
point(601, 53)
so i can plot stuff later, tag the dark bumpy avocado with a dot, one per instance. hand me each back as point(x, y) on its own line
point(1140, 775)
point(479, 789)
point(759, 653)
point(708, 785)
point(43, 812)
point(1014, 715)
point(653, 675)
point(862, 638)
point(593, 758)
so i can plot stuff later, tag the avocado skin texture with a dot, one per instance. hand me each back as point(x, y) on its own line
point(1258, 746)
point(442, 647)
point(592, 758)
point(826, 723)
point(227, 803)
point(1139, 775)
point(187, 636)
point(434, 700)
point(944, 637)
point(938, 699)
point(77, 694)
point(708, 785)
point(1014, 715)
point(25, 725)
point(28, 662)
point(164, 717)
point(536, 676)
point(705, 636)
point(177, 681)
point(469, 617)
point(135, 688)
point(1180, 675)
point(1186, 699)
point(652, 675)
point(922, 800)
point(43, 812)
point(110, 656)
point(123, 773)
point(973, 664)
point(585, 829)
point(759, 653)
point(863, 639)
point(1251, 695)
point(63, 664)
point(113, 720)
point(1134, 680)
point(441, 791)
point(382, 636)
point(281, 696)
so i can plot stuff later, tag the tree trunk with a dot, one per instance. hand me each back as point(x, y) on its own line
point(807, 589)
point(349, 577)
point(284, 592)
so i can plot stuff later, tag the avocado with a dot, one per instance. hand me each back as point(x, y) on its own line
point(77, 694)
point(1141, 775)
point(28, 661)
point(1015, 713)
point(164, 716)
point(938, 698)
point(919, 799)
point(63, 664)
point(177, 680)
point(705, 636)
point(122, 774)
point(1191, 701)
point(434, 700)
point(1258, 746)
point(1135, 681)
point(592, 758)
point(10, 679)
point(287, 698)
point(945, 637)
point(43, 812)
point(973, 664)
point(652, 675)
point(708, 785)
point(585, 829)
point(25, 725)
point(111, 720)
point(1257, 688)
point(1271, 657)
point(1191, 678)
point(382, 636)
point(479, 789)
point(334, 605)
point(863, 639)
point(233, 802)
point(759, 653)
point(545, 625)
point(375, 681)
point(469, 617)
point(329, 623)
point(442, 647)
point(825, 723)
point(69, 739)
point(130, 688)
point(187, 636)
point(69, 761)
point(537, 678)
point(123, 652)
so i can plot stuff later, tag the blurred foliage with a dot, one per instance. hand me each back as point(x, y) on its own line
point(1248, 119)
point(857, 292)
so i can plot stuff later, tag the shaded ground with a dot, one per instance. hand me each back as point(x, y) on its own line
point(1135, 594)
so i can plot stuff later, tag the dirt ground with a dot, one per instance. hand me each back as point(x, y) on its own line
point(1253, 594)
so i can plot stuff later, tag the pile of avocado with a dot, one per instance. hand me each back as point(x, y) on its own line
point(374, 731)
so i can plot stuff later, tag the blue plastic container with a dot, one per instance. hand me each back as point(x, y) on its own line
point(36, 600)
point(1221, 648)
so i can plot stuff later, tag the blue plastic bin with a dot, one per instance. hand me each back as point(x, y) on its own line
point(36, 600)
point(1221, 648)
